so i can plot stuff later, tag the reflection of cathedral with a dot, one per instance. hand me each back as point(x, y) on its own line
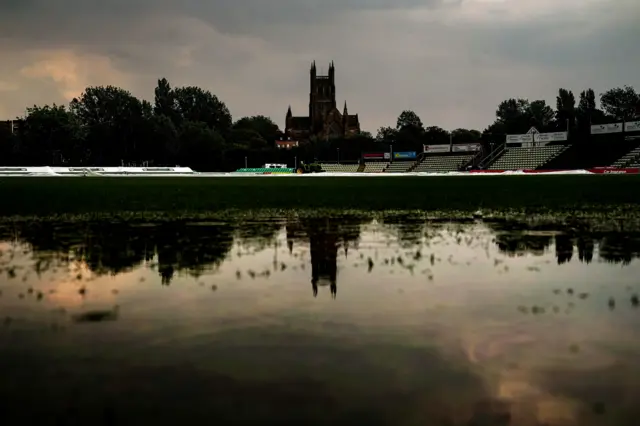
point(324, 261)
point(326, 237)
point(324, 119)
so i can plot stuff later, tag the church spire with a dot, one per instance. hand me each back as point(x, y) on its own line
point(289, 114)
point(345, 111)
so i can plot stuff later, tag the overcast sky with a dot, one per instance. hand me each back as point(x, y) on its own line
point(451, 61)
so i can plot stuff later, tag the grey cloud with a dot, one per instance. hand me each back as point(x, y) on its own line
point(44, 19)
point(255, 54)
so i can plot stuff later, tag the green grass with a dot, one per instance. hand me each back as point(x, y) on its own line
point(32, 196)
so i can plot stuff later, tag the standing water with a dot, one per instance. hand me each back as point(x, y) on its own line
point(392, 320)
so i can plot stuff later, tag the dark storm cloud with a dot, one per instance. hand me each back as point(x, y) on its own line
point(46, 20)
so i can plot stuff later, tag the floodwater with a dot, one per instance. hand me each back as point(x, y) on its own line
point(393, 320)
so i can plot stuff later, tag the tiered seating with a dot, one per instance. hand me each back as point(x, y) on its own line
point(399, 166)
point(339, 168)
point(598, 151)
point(526, 158)
point(628, 158)
point(264, 170)
point(375, 166)
point(443, 163)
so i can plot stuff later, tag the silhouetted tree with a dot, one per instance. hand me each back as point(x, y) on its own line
point(107, 126)
point(620, 103)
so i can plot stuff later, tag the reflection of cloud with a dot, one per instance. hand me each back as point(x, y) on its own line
point(465, 321)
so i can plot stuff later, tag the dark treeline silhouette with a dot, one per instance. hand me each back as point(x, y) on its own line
point(189, 126)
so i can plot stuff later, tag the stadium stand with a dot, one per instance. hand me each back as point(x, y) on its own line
point(399, 166)
point(443, 163)
point(375, 166)
point(526, 158)
point(265, 170)
point(635, 163)
point(339, 168)
point(627, 159)
point(587, 154)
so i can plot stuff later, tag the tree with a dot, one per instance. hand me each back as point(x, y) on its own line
point(435, 135)
point(198, 105)
point(50, 135)
point(540, 114)
point(587, 100)
point(565, 109)
point(587, 112)
point(513, 116)
point(248, 139)
point(165, 138)
point(386, 135)
point(264, 126)
point(114, 121)
point(465, 136)
point(409, 119)
point(200, 146)
point(165, 102)
point(620, 103)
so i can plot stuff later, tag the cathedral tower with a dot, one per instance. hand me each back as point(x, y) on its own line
point(322, 96)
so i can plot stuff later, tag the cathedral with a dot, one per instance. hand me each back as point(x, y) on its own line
point(324, 120)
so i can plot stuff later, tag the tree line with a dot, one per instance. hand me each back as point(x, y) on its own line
point(190, 126)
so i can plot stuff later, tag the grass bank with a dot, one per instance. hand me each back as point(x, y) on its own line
point(76, 195)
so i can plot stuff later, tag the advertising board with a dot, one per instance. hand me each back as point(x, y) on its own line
point(373, 155)
point(466, 147)
point(602, 129)
point(551, 137)
point(632, 126)
point(436, 148)
point(404, 155)
point(520, 138)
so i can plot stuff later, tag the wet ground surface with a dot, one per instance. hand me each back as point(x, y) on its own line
point(344, 320)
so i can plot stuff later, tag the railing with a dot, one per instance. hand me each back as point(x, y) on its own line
point(416, 163)
point(473, 162)
point(491, 157)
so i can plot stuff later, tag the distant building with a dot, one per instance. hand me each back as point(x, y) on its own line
point(324, 119)
point(9, 126)
point(286, 144)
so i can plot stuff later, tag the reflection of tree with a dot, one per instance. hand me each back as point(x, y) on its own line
point(112, 248)
point(408, 228)
point(518, 244)
point(585, 248)
point(616, 246)
point(620, 247)
point(107, 247)
point(258, 234)
point(191, 248)
point(564, 248)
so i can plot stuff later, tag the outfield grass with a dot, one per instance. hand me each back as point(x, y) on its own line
point(76, 195)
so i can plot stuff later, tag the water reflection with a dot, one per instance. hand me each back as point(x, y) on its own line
point(198, 248)
point(476, 322)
